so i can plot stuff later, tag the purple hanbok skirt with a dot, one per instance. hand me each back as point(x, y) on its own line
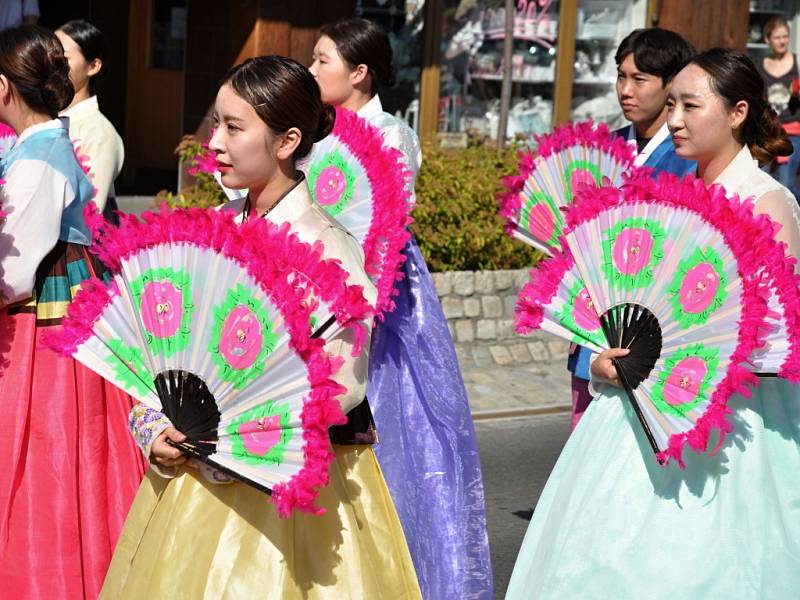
point(427, 448)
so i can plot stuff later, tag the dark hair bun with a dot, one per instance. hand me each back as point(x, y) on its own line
point(327, 119)
point(363, 42)
point(57, 90)
point(33, 60)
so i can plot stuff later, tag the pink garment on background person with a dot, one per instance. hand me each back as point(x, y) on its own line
point(580, 400)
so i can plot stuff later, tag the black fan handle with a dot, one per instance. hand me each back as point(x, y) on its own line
point(636, 408)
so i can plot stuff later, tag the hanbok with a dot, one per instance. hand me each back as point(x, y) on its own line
point(70, 470)
point(612, 523)
point(427, 447)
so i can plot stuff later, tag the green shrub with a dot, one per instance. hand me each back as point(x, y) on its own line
point(456, 221)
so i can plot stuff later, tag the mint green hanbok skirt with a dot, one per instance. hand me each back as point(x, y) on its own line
point(613, 524)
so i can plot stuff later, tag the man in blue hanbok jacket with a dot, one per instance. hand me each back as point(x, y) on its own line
point(647, 60)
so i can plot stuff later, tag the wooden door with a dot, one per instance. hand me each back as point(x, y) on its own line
point(706, 24)
point(155, 83)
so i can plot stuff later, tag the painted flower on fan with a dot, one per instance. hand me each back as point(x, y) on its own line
point(242, 338)
point(698, 287)
point(261, 434)
point(684, 379)
point(580, 173)
point(331, 181)
point(164, 297)
point(579, 316)
point(540, 216)
point(631, 250)
point(129, 367)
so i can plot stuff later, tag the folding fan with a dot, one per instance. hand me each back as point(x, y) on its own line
point(362, 182)
point(211, 323)
point(571, 156)
point(676, 273)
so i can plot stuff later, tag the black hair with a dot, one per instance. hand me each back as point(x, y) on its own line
point(363, 42)
point(284, 94)
point(32, 59)
point(93, 46)
point(734, 77)
point(656, 51)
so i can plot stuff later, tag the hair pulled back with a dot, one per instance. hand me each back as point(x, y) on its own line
point(93, 46)
point(32, 59)
point(363, 42)
point(773, 24)
point(734, 78)
point(284, 94)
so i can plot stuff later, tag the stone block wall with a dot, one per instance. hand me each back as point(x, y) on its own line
point(479, 308)
point(479, 305)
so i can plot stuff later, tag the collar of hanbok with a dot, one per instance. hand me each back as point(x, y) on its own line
point(371, 108)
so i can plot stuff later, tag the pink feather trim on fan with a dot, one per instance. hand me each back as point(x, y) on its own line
point(760, 258)
point(388, 179)
point(276, 252)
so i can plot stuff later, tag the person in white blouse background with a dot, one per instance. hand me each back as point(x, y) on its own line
point(97, 142)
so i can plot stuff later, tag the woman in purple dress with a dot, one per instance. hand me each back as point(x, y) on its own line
point(427, 450)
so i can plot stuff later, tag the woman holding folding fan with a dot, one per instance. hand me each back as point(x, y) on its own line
point(69, 470)
point(610, 521)
point(427, 447)
point(196, 532)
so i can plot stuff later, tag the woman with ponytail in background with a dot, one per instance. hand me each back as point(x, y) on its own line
point(611, 522)
point(427, 447)
point(92, 133)
point(196, 533)
point(69, 469)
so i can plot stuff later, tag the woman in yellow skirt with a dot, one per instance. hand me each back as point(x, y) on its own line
point(192, 532)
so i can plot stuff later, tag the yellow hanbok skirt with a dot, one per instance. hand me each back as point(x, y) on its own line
point(188, 538)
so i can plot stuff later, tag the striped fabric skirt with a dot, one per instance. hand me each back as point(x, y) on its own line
point(70, 469)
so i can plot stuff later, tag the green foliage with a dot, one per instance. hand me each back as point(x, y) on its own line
point(456, 221)
point(205, 192)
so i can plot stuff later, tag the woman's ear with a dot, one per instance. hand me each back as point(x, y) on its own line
point(95, 67)
point(359, 74)
point(289, 142)
point(6, 90)
point(739, 114)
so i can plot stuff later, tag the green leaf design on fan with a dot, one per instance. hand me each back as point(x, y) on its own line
point(233, 334)
point(261, 434)
point(336, 162)
point(537, 198)
point(684, 379)
point(642, 276)
point(151, 306)
point(568, 320)
point(583, 165)
point(696, 261)
point(129, 367)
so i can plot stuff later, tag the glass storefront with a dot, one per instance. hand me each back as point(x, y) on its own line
point(471, 60)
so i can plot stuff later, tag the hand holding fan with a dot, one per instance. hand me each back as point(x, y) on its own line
point(674, 272)
point(362, 182)
point(210, 323)
point(571, 156)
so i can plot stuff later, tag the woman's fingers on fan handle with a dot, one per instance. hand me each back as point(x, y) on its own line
point(165, 454)
point(603, 367)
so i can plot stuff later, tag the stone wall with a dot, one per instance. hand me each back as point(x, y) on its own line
point(479, 308)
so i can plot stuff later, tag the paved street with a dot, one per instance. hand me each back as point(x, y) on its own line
point(516, 458)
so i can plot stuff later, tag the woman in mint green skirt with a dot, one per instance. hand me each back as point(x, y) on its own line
point(613, 524)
